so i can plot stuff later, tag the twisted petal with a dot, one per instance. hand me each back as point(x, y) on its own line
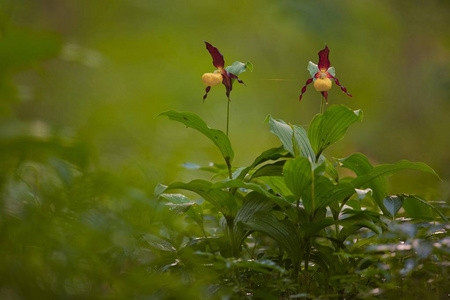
point(325, 95)
point(324, 62)
point(337, 83)
point(227, 82)
point(237, 78)
point(208, 88)
point(217, 57)
point(304, 88)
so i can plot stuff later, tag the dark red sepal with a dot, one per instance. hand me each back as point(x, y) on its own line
point(324, 62)
point(217, 57)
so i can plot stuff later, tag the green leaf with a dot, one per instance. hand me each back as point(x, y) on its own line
point(331, 170)
point(192, 209)
point(302, 139)
point(283, 232)
point(389, 169)
point(158, 243)
point(288, 135)
point(236, 183)
point(393, 204)
point(298, 175)
point(418, 208)
point(323, 193)
point(330, 127)
point(312, 228)
point(275, 169)
point(271, 154)
point(238, 67)
point(222, 200)
point(218, 137)
point(283, 131)
point(359, 164)
point(277, 184)
point(253, 203)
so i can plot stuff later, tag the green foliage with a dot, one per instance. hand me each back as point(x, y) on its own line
point(292, 224)
point(292, 209)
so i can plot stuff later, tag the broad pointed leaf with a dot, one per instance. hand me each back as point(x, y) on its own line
point(283, 232)
point(218, 137)
point(289, 135)
point(277, 184)
point(253, 203)
point(193, 210)
point(298, 175)
point(275, 169)
point(416, 207)
point(330, 127)
point(389, 169)
point(393, 204)
point(222, 200)
point(359, 164)
point(271, 154)
point(236, 183)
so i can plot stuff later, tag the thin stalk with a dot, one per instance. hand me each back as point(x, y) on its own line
point(228, 114)
point(207, 241)
point(322, 104)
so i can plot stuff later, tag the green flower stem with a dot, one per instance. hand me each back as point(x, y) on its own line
point(228, 114)
point(322, 104)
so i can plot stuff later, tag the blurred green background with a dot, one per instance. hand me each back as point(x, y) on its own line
point(83, 81)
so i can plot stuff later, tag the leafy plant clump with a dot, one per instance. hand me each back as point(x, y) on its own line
point(291, 226)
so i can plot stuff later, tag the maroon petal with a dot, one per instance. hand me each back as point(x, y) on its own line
point(227, 82)
point(324, 62)
point(237, 78)
point(304, 88)
point(325, 95)
point(208, 88)
point(337, 82)
point(217, 57)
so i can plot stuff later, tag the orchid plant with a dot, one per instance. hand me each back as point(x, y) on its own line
point(224, 75)
point(290, 215)
point(322, 76)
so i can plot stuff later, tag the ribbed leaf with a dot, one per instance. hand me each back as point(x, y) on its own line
point(236, 183)
point(289, 135)
point(298, 175)
point(222, 200)
point(330, 127)
point(283, 131)
point(302, 139)
point(416, 207)
point(193, 210)
point(277, 184)
point(283, 232)
point(253, 203)
point(325, 193)
point(359, 164)
point(158, 243)
point(388, 169)
point(275, 169)
point(218, 137)
point(271, 154)
point(393, 204)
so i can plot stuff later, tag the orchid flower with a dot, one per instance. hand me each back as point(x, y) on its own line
point(322, 75)
point(222, 74)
